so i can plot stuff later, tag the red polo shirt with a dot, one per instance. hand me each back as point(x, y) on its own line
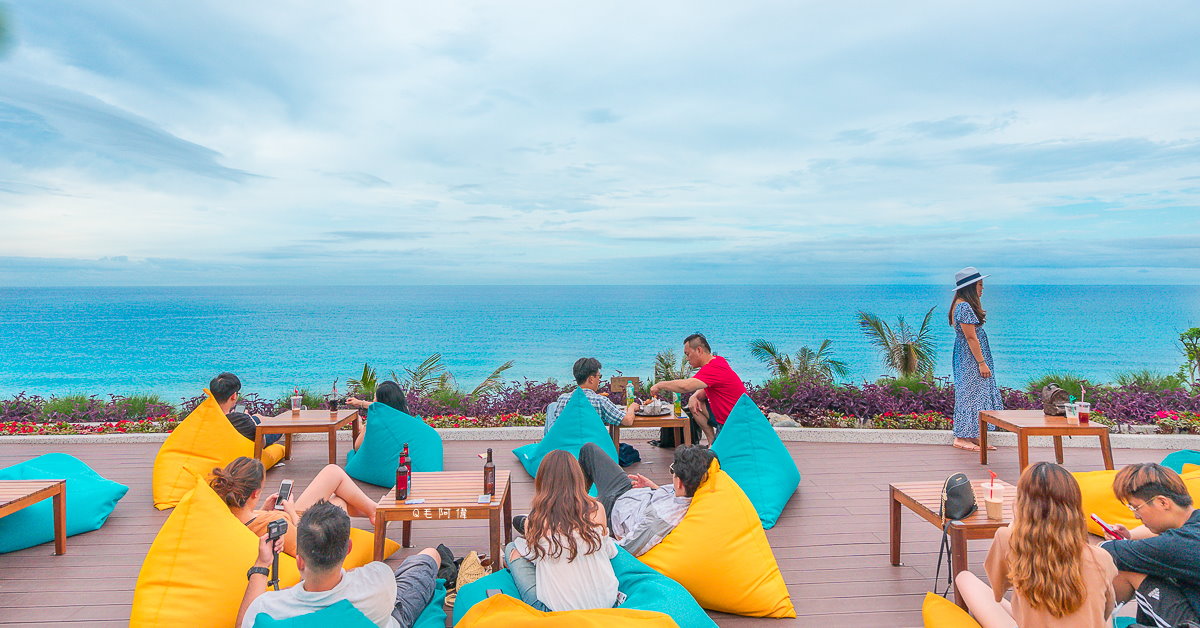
point(724, 387)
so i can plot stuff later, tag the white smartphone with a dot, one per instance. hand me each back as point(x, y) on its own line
point(285, 492)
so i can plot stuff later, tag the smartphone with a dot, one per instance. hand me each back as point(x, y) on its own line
point(1107, 528)
point(491, 592)
point(241, 407)
point(285, 492)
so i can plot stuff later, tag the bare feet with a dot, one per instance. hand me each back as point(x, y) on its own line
point(962, 443)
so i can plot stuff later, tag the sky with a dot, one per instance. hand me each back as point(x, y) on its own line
point(318, 143)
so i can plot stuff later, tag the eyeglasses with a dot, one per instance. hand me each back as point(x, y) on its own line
point(1135, 509)
point(671, 468)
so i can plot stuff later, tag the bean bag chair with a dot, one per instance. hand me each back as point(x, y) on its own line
point(720, 553)
point(938, 612)
point(386, 432)
point(1099, 498)
point(503, 611)
point(644, 588)
point(1176, 461)
point(343, 614)
point(90, 500)
point(578, 423)
point(188, 577)
point(752, 453)
point(203, 441)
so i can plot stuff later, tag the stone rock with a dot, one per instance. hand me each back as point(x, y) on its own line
point(781, 420)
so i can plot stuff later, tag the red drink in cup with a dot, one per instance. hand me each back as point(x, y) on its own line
point(1085, 412)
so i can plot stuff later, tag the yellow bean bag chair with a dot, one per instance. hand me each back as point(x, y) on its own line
point(201, 442)
point(720, 553)
point(502, 611)
point(202, 548)
point(938, 612)
point(1099, 498)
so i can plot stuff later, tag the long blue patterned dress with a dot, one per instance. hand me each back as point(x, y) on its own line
point(972, 393)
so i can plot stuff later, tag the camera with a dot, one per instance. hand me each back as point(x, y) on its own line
point(276, 528)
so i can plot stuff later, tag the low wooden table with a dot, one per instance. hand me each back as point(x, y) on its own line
point(18, 494)
point(925, 499)
point(665, 420)
point(307, 422)
point(448, 495)
point(1026, 423)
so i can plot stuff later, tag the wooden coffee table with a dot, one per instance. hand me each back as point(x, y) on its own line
point(449, 496)
point(925, 498)
point(18, 494)
point(666, 420)
point(1026, 423)
point(307, 422)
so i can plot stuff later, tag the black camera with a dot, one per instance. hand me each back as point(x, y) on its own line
point(276, 528)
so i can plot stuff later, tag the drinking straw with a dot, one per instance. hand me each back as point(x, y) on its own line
point(992, 489)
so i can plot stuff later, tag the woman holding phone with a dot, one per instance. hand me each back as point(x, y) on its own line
point(388, 393)
point(975, 388)
point(240, 483)
point(1058, 578)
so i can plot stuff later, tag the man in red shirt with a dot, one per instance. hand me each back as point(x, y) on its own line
point(715, 386)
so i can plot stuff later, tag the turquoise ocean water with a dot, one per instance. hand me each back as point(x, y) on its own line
point(173, 340)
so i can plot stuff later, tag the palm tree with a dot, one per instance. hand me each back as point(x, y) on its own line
point(905, 351)
point(809, 365)
point(365, 384)
point(666, 368)
point(430, 375)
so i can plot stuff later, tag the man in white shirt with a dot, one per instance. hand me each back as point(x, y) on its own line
point(391, 600)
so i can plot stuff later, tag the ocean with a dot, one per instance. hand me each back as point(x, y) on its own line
point(172, 340)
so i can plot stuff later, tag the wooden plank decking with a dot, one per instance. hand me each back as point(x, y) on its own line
point(831, 542)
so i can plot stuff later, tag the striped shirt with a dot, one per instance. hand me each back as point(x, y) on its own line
point(609, 412)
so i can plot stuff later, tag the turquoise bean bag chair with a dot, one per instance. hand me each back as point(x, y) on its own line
point(90, 500)
point(579, 423)
point(344, 615)
point(645, 590)
point(1175, 461)
point(752, 454)
point(386, 432)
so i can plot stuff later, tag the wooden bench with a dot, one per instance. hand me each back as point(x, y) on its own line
point(17, 494)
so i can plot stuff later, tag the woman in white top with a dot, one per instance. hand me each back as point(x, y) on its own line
point(563, 563)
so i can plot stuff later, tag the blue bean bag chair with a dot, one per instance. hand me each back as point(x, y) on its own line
point(1175, 461)
point(344, 615)
point(386, 432)
point(645, 589)
point(752, 454)
point(578, 423)
point(90, 500)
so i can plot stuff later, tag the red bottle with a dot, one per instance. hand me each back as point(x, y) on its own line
point(403, 476)
point(489, 475)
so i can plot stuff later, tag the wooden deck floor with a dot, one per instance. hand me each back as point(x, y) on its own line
point(831, 542)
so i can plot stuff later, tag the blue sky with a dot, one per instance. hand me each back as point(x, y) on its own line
point(616, 142)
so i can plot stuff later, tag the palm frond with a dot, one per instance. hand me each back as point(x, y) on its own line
point(493, 381)
point(766, 352)
point(366, 383)
point(428, 375)
point(667, 368)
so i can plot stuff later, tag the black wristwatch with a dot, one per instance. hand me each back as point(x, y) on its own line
point(259, 570)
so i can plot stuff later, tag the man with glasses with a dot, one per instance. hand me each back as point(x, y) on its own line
point(641, 513)
point(587, 375)
point(1159, 562)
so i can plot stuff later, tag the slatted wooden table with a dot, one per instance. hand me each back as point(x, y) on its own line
point(307, 422)
point(448, 495)
point(18, 494)
point(680, 423)
point(925, 499)
point(1026, 423)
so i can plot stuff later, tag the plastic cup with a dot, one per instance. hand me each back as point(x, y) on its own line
point(333, 406)
point(995, 508)
point(296, 399)
point(1085, 411)
point(1072, 414)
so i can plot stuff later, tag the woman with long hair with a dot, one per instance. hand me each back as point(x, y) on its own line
point(388, 393)
point(563, 563)
point(975, 388)
point(1058, 579)
point(239, 484)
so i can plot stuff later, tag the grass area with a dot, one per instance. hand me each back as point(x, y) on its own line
point(1069, 382)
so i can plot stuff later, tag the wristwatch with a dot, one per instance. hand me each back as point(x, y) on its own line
point(259, 570)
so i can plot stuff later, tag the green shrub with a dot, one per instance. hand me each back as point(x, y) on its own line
point(137, 406)
point(69, 405)
point(1067, 381)
point(1150, 380)
point(310, 400)
point(914, 383)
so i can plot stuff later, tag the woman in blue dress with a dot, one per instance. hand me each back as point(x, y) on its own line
point(975, 387)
